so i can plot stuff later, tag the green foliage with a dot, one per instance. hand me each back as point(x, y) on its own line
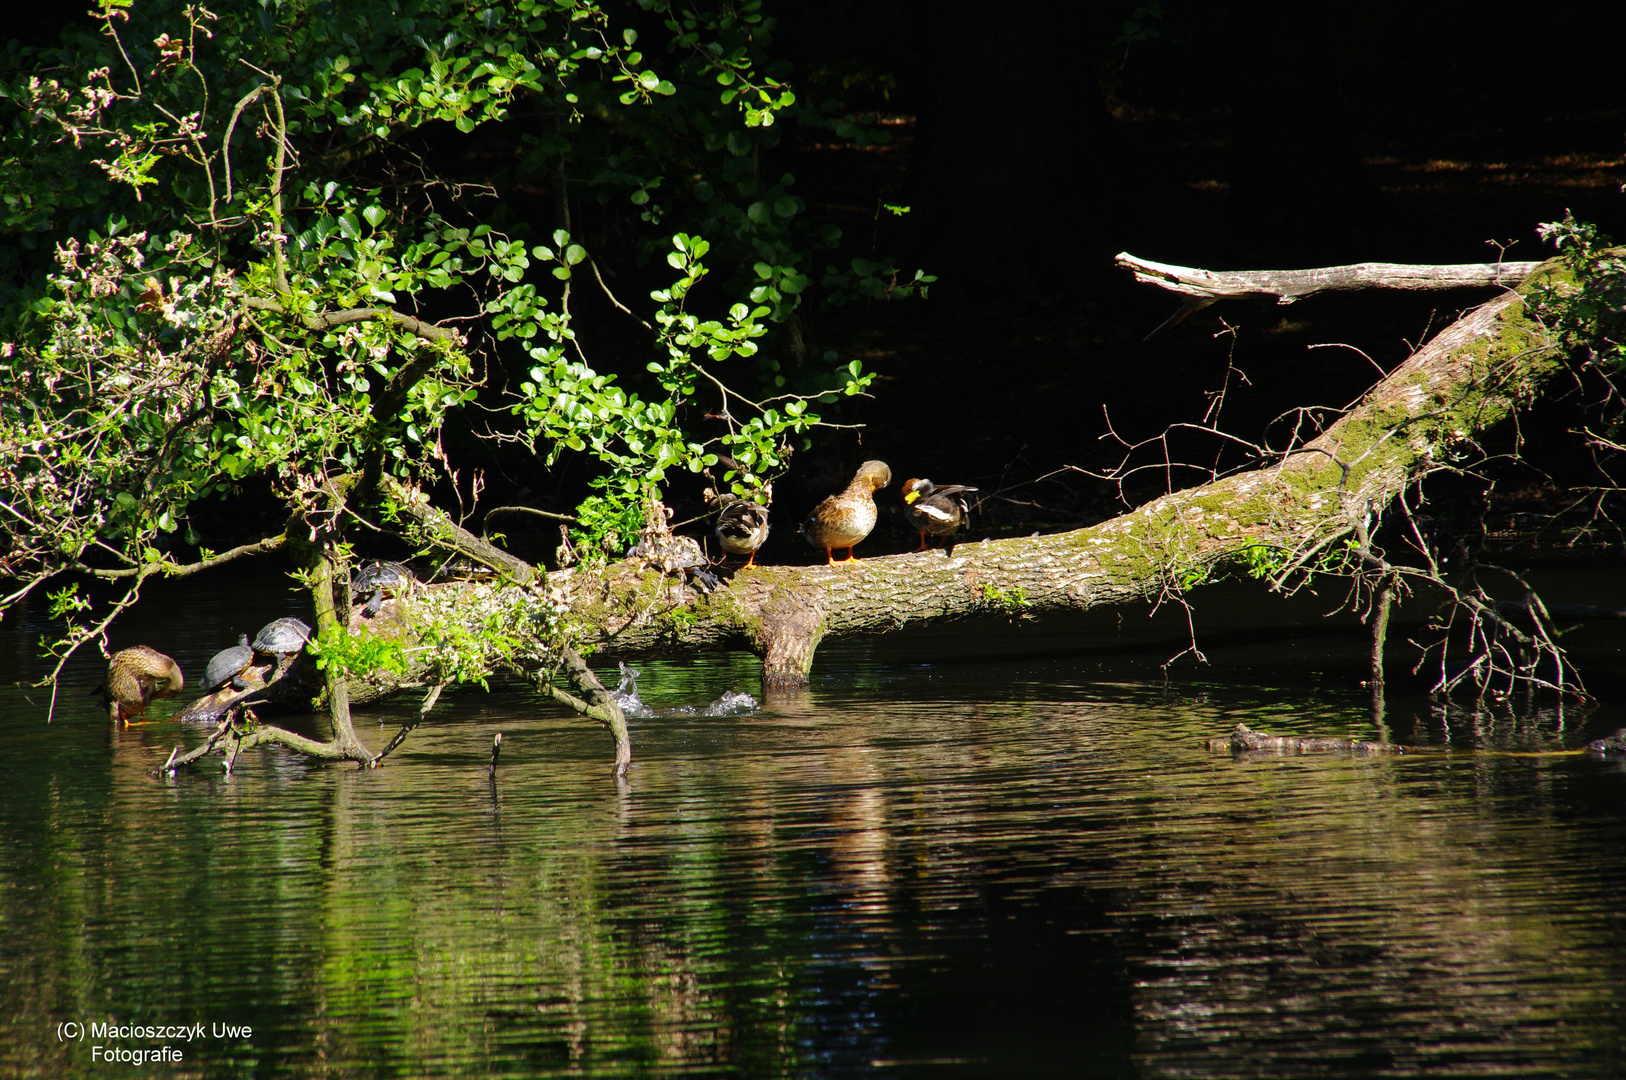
point(466, 635)
point(1589, 318)
point(1193, 576)
point(216, 225)
point(609, 523)
point(1013, 601)
point(1261, 561)
point(357, 654)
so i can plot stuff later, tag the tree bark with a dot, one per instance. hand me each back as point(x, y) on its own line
point(1470, 377)
point(1290, 285)
point(1467, 379)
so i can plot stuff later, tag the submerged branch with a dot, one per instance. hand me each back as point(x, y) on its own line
point(410, 726)
point(602, 707)
point(269, 734)
point(1245, 740)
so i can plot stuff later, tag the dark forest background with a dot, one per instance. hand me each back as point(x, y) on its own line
point(1034, 140)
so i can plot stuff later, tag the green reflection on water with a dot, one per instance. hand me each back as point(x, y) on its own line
point(986, 869)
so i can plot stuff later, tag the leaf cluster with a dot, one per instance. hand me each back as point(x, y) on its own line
point(235, 256)
point(1590, 316)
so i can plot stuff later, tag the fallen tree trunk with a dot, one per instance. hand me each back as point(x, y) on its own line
point(1471, 376)
point(1467, 379)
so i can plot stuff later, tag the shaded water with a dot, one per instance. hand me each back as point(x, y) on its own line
point(974, 851)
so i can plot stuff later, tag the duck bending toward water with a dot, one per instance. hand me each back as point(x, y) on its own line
point(845, 519)
point(136, 678)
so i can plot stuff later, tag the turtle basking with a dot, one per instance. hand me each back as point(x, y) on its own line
point(248, 668)
point(233, 667)
point(379, 578)
point(674, 555)
point(284, 639)
point(463, 568)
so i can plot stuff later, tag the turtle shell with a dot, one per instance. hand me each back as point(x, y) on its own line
point(283, 636)
point(381, 575)
point(227, 664)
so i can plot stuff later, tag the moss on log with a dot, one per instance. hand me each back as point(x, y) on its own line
point(1287, 515)
point(1469, 378)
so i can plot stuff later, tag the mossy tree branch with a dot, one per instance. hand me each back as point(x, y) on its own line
point(1470, 377)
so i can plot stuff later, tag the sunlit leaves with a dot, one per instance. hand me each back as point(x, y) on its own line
point(1591, 316)
point(183, 348)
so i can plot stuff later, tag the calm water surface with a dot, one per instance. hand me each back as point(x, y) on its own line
point(981, 851)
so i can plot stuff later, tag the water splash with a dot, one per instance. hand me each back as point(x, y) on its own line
point(732, 703)
point(626, 694)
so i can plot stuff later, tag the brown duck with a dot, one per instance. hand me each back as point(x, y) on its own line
point(843, 520)
point(935, 511)
point(136, 678)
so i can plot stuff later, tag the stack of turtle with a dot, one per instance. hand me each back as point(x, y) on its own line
point(236, 674)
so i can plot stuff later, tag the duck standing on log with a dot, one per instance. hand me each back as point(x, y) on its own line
point(742, 524)
point(136, 678)
point(843, 520)
point(936, 511)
